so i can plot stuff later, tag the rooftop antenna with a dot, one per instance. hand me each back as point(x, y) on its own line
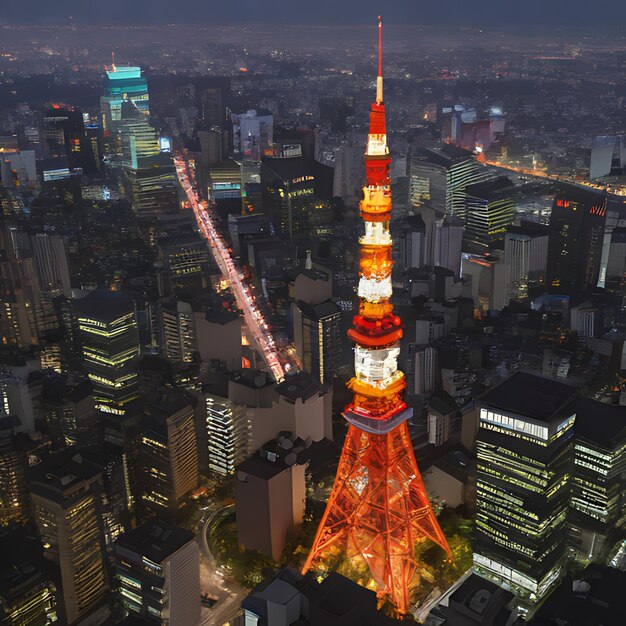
point(379, 78)
point(113, 68)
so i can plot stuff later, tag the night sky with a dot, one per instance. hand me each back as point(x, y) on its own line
point(484, 12)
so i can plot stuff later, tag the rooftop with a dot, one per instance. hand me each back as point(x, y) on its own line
point(599, 422)
point(156, 540)
point(529, 395)
point(300, 386)
point(597, 599)
point(104, 305)
point(319, 311)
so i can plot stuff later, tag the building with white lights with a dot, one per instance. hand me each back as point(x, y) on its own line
point(524, 450)
point(229, 433)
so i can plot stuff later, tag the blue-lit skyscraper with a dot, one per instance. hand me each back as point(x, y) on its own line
point(122, 83)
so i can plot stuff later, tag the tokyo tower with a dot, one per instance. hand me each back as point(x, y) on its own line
point(378, 510)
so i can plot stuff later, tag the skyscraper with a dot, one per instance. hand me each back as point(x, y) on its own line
point(297, 194)
point(110, 347)
point(149, 174)
point(524, 453)
point(50, 253)
point(168, 452)
point(229, 434)
point(490, 209)
point(525, 258)
point(599, 479)
point(252, 135)
point(122, 83)
point(158, 569)
point(439, 176)
point(65, 493)
point(378, 509)
point(14, 504)
point(575, 242)
point(317, 333)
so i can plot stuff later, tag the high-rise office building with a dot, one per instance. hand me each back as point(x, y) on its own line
point(158, 569)
point(23, 306)
point(14, 502)
point(608, 156)
point(448, 244)
point(27, 596)
point(110, 347)
point(439, 177)
point(575, 242)
point(253, 134)
point(616, 262)
point(229, 434)
point(120, 84)
point(64, 135)
point(177, 330)
point(297, 195)
point(185, 263)
point(525, 258)
point(599, 481)
point(490, 209)
point(168, 452)
point(21, 386)
point(65, 493)
point(317, 335)
point(349, 171)
point(524, 451)
point(50, 252)
point(70, 411)
point(149, 174)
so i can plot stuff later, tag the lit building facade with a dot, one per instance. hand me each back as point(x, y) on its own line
point(14, 504)
point(524, 451)
point(599, 481)
point(27, 598)
point(297, 194)
point(378, 509)
point(168, 453)
point(110, 347)
point(317, 334)
point(122, 83)
point(66, 500)
point(229, 434)
point(490, 209)
point(157, 567)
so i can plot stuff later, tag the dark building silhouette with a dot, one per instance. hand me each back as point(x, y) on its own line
point(297, 194)
point(575, 241)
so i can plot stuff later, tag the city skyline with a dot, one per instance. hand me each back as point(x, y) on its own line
point(483, 12)
point(238, 389)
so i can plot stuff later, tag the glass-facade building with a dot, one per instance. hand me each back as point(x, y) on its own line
point(122, 83)
point(524, 453)
point(599, 479)
point(229, 434)
point(110, 347)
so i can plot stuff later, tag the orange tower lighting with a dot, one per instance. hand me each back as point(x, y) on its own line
point(378, 510)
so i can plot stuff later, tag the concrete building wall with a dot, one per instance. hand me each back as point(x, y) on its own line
point(182, 574)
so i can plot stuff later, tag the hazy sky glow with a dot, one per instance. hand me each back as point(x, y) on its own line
point(500, 12)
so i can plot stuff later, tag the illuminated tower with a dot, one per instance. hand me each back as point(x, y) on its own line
point(378, 509)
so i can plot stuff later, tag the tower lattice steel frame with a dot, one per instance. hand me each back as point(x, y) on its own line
point(378, 509)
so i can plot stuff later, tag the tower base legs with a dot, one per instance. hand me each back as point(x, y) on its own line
point(377, 512)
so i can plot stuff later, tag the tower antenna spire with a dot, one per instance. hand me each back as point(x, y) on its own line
point(379, 78)
point(113, 68)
